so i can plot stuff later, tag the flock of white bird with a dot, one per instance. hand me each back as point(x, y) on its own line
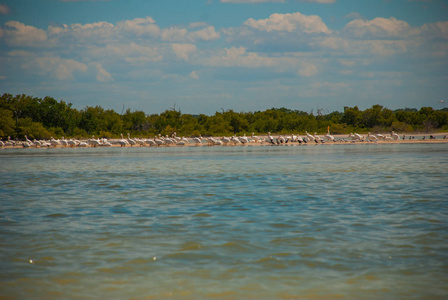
point(182, 141)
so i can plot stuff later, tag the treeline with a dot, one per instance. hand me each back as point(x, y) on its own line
point(38, 118)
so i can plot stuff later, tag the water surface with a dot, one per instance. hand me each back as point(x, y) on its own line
point(266, 222)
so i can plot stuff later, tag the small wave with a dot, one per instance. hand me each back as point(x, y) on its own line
point(191, 246)
point(296, 241)
point(281, 225)
point(202, 215)
point(57, 215)
point(189, 257)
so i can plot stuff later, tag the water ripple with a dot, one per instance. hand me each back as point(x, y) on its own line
point(347, 221)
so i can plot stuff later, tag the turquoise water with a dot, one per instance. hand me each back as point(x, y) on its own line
point(266, 222)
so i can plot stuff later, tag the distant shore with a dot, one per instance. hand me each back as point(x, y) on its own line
point(262, 140)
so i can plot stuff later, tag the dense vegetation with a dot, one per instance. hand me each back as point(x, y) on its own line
point(22, 115)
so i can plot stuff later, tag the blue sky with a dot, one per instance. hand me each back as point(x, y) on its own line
point(207, 55)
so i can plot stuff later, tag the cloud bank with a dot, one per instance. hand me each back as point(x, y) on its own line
point(292, 48)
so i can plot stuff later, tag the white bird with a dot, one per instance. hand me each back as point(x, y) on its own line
point(293, 138)
point(72, 143)
point(105, 143)
point(355, 137)
point(54, 142)
point(122, 142)
point(150, 142)
point(394, 135)
point(329, 137)
point(168, 140)
point(316, 137)
point(140, 141)
point(29, 142)
point(225, 140)
point(371, 137)
point(197, 140)
point(309, 136)
point(216, 141)
point(255, 138)
point(63, 142)
point(131, 141)
point(235, 140)
point(9, 142)
point(93, 142)
point(158, 141)
point(36, 143)
point(270, 139)
point(360, 137)
point(44, 143)
point(281, 139)
point(82, 144)
point(243, 139)
point(380, 136)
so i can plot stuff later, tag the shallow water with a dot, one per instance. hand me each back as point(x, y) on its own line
point(266, 222)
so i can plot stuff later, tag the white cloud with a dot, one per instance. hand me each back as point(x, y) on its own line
point(251, 1)
point(290, 22)
point(131, 53)
point(284, 46)
point(206, 34)
point(4, 9)
point(378, 28)
point(320, 1)
point(174, 34)
point(140, 26)
point(183, 51)
point(59, 68)
point(20, 53)
point(62, 69)
point(280, 33)
point(180, 34)
point(57, 30)
point(334, 43)
point(353, 16)
point(239, 57)
point(101, 74)
point(307, 70)
point(358, 48)
point(198, 24)
point(96, 33)
point(438, 29)
point(19, 34)
point(194, 75)
point(332, 86)
point(98, 30)
point(275, 1)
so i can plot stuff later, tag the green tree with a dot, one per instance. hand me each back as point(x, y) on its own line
point(112, 123)
point(92, 119)
point(7, 123)
point(34, 130)
point(352, 116)
point(218, 125)
point(134, 121)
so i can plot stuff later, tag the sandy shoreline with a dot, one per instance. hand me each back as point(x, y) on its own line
point(338, 140)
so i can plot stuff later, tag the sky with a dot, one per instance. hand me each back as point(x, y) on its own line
point(206, 56)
